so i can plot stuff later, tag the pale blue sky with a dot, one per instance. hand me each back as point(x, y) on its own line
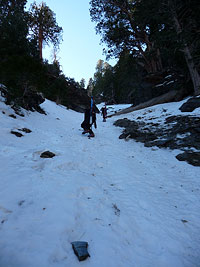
point(80, 49)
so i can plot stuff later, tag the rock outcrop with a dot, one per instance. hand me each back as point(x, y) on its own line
point(190, 105)
point(178, 132)
point(30, 100)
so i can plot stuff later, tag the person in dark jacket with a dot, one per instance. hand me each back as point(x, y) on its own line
point(104, 112)
point(89, 119)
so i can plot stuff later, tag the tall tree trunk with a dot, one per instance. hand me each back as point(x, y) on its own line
point(194, 74)
point(159, 60)
point(40, 41)
point(193, 70)
point(155, 60)
point(147, 64)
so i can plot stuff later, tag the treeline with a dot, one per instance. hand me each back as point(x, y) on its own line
point(157, 43)
point(22, 36)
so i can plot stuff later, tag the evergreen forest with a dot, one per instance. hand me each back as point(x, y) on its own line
point(23, 34)
point(156, 44)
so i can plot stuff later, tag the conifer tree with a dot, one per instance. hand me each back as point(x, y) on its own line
point(117, 23)
point(44, 26)
point(82, 83)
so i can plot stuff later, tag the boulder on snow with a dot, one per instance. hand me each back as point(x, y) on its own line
point(80, 250)
point(25, 130)
point(16, 133)
point(192, 158)
point(190, 105)
point(12, 116)
point(47, 154)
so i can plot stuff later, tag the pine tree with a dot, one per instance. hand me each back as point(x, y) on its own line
point(82, 83)
point(43, 24)
point(117, 22)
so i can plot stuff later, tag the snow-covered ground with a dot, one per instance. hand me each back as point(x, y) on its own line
point(135, 206)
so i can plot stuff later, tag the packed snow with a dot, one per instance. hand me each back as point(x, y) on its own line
point(135, 206)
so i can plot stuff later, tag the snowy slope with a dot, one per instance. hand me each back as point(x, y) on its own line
point(135, 206)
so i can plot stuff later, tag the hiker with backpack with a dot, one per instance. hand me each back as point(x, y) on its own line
point(89, 120)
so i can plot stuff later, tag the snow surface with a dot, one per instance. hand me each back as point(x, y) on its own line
point(135, 206)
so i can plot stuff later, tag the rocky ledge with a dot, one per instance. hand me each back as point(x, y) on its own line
point(177, 132)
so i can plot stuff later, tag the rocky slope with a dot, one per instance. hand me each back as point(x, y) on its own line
point(176, 132)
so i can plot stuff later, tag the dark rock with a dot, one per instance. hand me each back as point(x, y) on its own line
point(19, 113)
point(122, 122)
point(170, 119)
point(3, 90)
point(190, 105)
point(21, 202)
point(126, 123)
point(158, 143)
point(16, 133)
point(149, 144)
point(154, 124)
point(134, 134)
point(12, 116)
point(47, 154)
point(123, 136)
point(26, 130)
point(80, 250)
point(181, 132)
point(192, 158)
point(30, 100)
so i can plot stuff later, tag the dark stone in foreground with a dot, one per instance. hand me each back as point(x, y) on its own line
point(47, 154)
point(80, 250)
point(192, 158)
point(190, 105)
